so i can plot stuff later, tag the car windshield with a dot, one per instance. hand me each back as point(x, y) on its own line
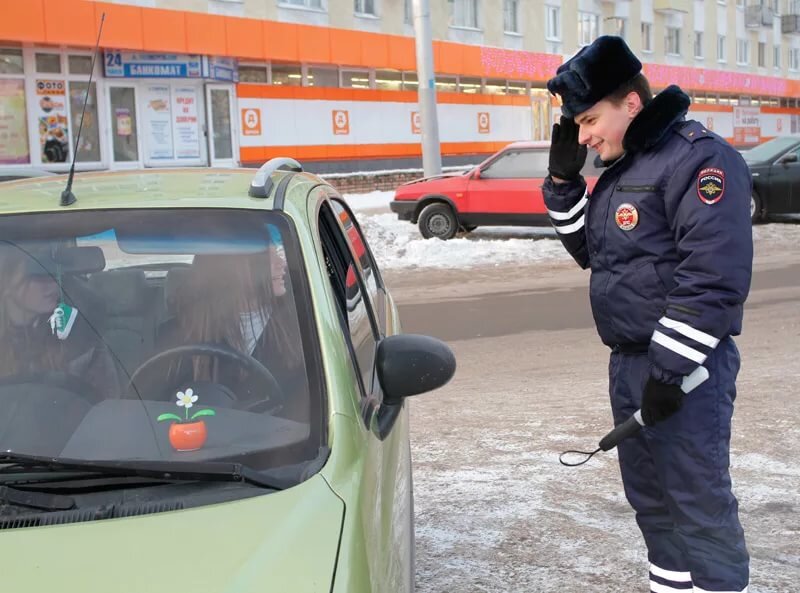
point(770, 150)
point(164, 335)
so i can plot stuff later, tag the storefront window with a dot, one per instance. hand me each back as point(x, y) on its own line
point(14, 148)
point(495, 87)
point(446, 84)
point(287, 74)
point(388, 80)
point(253, 74)
point(517, 88)
point(48, 63)
point(89, 142)
point(357, 79)
point(11, 61)
point(469, 85)
point(51, 117)
point(123, 124)
point(80, 64)
point(322, 77)
point(410, 82)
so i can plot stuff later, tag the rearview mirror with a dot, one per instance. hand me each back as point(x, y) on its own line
point(789, 158)
point(410, 364)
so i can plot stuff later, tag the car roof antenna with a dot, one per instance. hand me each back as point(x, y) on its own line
point(67, 197)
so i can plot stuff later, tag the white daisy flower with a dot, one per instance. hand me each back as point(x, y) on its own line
point(186, 399)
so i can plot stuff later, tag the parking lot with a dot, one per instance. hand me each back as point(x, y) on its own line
point(495, 511)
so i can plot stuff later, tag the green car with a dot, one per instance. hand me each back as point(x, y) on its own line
point(202, 385)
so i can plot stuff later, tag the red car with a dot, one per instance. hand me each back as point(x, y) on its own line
point(505, 189)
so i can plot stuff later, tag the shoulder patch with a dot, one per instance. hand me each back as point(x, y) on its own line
point(710, 185)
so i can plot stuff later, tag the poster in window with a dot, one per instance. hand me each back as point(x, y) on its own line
point(13, 123)
point(186, 125)
point(124, 121)
point(51, 117)
point(158, 122)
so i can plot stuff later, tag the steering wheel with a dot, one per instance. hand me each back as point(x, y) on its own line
point(60, 380)
point(250, 365)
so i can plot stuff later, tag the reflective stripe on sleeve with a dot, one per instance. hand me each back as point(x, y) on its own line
point(690, 332)
point(570, 228)
point(678, 348)
point(572, 211)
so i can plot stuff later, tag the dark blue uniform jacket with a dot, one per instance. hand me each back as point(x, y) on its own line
point(667, 234)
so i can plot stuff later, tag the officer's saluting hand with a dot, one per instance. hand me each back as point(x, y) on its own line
point(567, 156)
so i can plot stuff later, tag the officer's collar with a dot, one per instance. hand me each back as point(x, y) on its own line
point(655, 119)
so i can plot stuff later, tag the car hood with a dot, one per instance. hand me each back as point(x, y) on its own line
point(285, 541)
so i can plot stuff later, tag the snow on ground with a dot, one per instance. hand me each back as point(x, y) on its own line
point(398, 244)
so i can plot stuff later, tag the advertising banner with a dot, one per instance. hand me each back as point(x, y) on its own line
point(186, 124)
point(158, 122)
point(51, 110)
point(13, 123)
point(120, 64)
point(746, 125)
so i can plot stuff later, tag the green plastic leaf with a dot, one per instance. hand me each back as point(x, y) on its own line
point(206, 412)
point(168, 417)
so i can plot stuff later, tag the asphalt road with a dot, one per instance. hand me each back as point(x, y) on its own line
point(497, 512)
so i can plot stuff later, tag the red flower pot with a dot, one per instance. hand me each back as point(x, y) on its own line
point(187, 437)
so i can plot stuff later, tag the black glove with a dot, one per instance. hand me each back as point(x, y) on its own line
point(566, 155)
point(660, 401)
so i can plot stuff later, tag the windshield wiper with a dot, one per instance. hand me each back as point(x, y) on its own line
point(206, 471)
point(35, 500)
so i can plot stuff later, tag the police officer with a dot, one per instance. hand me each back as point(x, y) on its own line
point(666, 232)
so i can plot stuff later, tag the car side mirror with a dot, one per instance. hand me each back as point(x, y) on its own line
point(410, 364)
point(476, 174)
point(789, 158)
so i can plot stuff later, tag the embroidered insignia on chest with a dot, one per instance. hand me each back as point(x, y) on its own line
point(710, 185)
point(627, 217)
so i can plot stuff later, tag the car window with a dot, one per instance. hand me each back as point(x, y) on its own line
point(517, 164)
point(118, 326)
point(354, 304)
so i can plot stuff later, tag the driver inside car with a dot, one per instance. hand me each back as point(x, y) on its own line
point(236, 301)
point(33, 349)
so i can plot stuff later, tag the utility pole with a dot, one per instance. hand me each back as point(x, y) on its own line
point(431, 151)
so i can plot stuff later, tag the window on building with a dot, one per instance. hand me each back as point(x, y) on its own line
point(11, 61)
point(253, 74)
point(794, 58)
point(698, 45)
point(410, 82)
point(304, 3)
point(553, 18)
point(89, 143)
point(793, 6)
point(776, 56)
point(722, 54)
point(647, 37)
point(365, 7)
point(494, 87)
point(322, 76)
point(356, 79)
point(618, 26)
point(287, 74)
point(446, 84)
point(79, 64)
point(742, 52)
point(762, 54)
point(469, 85)
point(511, 16)
point(48, 63)
point(388, 80)
point(517, 87)
point(672, 41)
point(588, 27)
point(408, 12)
point(463, 13)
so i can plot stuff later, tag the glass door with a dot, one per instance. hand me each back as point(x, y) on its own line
point(124, 126)
point(222, 145)
point(173, 124)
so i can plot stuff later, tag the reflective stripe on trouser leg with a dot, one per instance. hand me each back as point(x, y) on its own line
point(691, 453)
point(669, 581)
point(627, 375)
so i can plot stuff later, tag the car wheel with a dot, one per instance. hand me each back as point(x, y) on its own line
point(438, 220)
point(757, 213)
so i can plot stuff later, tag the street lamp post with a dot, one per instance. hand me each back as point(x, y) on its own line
point(431, 151)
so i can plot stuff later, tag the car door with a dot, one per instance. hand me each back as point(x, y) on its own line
point(784, 183)
point(385, 485)
point(508, 189)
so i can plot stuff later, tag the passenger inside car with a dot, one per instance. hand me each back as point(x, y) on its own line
point(77, 358)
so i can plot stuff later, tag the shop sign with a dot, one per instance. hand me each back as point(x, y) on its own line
point(251, 121)
point(224, 69)
point(13, 128)
point(186, 126)
point(145, 65)
point(51, 116)
point(158, 122)
point(746, 125)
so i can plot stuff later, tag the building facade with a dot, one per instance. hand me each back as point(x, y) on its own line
point(333, 82)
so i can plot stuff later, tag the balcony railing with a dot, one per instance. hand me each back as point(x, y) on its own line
point(759, 15)
point(790, 23)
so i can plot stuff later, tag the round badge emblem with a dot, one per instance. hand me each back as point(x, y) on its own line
point(627, 217)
